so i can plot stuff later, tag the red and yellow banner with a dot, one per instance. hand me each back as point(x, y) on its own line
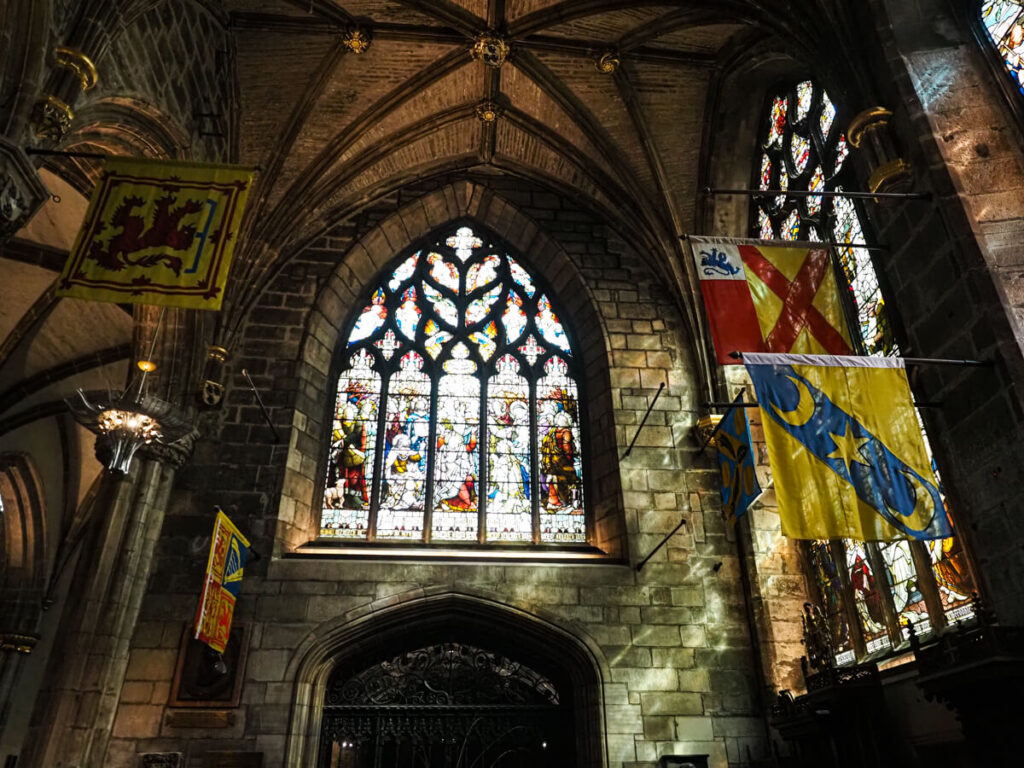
point(762, 298)
point(223, 582)
point(158, 232)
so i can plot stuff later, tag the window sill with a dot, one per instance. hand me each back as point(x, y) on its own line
point(468, 553)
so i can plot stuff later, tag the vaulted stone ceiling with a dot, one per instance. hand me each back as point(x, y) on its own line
point(332, 129)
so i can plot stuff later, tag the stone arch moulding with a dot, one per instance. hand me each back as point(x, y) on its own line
point(418, 618)
point(317, 369)
point(23, 567)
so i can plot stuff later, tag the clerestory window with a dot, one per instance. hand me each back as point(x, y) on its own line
point(458, 412)
point(867, 591)
point(1003, 20)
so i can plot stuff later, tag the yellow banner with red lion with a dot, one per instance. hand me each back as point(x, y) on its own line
point(158, 232)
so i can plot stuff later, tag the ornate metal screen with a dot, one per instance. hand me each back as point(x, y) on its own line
point(445, 705)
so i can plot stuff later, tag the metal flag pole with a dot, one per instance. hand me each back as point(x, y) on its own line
point(820, 193)
point(719, 406)
point(920, 361)
point(718, 240)
point(662, 543)
point(643, 421)
point(263, 408)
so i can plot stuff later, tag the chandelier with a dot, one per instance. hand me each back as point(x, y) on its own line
point(125, 422)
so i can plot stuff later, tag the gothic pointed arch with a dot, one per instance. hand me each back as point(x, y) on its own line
point(558, 292)
point(458, 417)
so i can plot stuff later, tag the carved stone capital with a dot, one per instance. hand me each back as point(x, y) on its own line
point(174, 454)
point(21, 191)
point(51, 119)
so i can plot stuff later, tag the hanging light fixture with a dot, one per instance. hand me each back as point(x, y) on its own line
point(131, 419)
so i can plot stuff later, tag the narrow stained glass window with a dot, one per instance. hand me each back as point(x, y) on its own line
point(804, 151)
point(1004, 22)
point(458, 416)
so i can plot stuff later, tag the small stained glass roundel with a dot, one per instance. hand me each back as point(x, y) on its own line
point(458, 412)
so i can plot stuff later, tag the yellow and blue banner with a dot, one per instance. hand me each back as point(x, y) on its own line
point(845, 448)
point(736, 461)
point(158, 232)
point(223, 582)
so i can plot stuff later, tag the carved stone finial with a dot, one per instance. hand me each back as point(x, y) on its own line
point(356, 40)
point(488, 111)
point(491, 49)
point(76, 61)
point(608, 62)
point(51, 119)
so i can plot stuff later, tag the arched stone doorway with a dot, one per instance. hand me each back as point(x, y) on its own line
point(446, 704)
point(382, 681)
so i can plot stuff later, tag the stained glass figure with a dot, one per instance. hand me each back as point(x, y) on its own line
point(830, 588)
point(371, 319)
point(443, 272)
point(406, 434)
point(903, 583)
point(353, 439)
point(458, 418)
point(866, 595)
point(1004, 22)
point(549, 326)
point(558, 432)
point(456, 457)
point(509, 511)
point(777, 121)
point(804, 94)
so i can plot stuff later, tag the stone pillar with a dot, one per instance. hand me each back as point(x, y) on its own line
point(74, 713)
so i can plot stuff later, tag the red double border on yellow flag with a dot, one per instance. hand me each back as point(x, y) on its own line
point(158, 232)
point(223, 581)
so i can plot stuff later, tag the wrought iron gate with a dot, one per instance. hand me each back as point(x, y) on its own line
point(445, 706)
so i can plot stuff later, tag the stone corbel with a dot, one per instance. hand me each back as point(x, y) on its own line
point(21, 190)
point(870, 133)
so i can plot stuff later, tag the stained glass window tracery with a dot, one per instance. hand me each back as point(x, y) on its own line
point(1004, 22)
point(458, 415)
point(879, 587)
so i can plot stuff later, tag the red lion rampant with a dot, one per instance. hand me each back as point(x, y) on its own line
point(165, 232)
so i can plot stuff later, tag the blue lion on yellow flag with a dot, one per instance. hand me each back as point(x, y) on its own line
point(846, 448)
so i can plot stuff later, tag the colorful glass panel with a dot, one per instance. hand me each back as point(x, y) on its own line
point(790, 229)
point(451, 388)
point(866, 595)
point(509, 509)
point(549, 326)
point(766, 172)
point(406, 434)
point(777, 121)
point(766, 231)
point(346, 506)
point(456, 457)
point(371, 319)
point(827, 116)
point(443, 272)
point(804, 94)
point(816, 184)
point(829, 586)
point(800, 151)
point(903, 583)
point(561, 468)
point(1004, 22)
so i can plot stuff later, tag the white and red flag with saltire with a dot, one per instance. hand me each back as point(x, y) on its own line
point(768, 298)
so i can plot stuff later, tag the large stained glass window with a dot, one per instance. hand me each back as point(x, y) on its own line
point(458, 414)
point(1004, 22)
point(879, 587)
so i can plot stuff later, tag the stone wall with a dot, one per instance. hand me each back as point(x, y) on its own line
point(673, 641)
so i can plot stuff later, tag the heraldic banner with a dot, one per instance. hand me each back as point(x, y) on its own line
point(845, 448)
point(736, 461)
point(766, 298)
point(222, 584)
point(158, 232)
